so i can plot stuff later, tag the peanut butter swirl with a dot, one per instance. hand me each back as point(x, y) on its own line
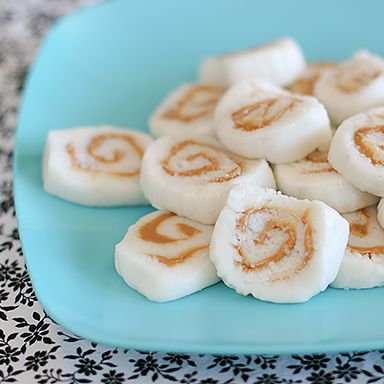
point(149, 232)
point(305, 84)
point(360, 228)
point(98, 163)
point(367, 251)
point(181, 257)
point(190, 158)
point(285, 222)
point(198, 102)
point(318, 163)
point(370, 142)
point(355, 78)
point(263, 113)
point(317, 157)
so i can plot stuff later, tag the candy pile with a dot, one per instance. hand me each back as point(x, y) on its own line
point(223, 146)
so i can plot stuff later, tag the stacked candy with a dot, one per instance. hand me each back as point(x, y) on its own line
point(223, 146)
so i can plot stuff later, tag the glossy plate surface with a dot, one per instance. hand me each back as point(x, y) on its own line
point(113, 63)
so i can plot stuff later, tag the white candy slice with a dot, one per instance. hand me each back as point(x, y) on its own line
point(188, 109)
point(380, 213)
point(192, 175)
point(275, 247)
point(363, 261)
point(305, 84)
point(257, 120)
point(352, 87)
point(98, 166)
point(357, 151)
point(279, 62)
point(165, 257)
point(314, 178)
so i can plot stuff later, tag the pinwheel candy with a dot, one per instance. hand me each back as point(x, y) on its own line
point(257, 120)
point(314, 178)
point(275, 247)
point(187, 110)
point(357, 151)
point(165, 256)
point(352, 87)
point(192, 175)
point(98, 166)
point(279, 62)
point(363, 261)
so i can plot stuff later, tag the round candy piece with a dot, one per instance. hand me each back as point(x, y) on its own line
point(277, 248)
point(314, 178)
point(165, 256)
point(363, 261)
point(98, 166)
point(279, 62)
point(187, 110)
point(352, 87)
point(257, 120)
point(357, 151)
point(192, 175)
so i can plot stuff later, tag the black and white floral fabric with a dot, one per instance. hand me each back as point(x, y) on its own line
point(33, 349)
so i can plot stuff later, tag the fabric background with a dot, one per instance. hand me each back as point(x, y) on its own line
point(33, 349)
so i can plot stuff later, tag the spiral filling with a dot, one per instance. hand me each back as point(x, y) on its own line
point(274, 239)
point(169, 229)
point(355, 76)
point(262, 114)
point(315, 162)
point(202, 162)
point(363, 228)
point(114, 154)
point(305, 84)
point(198, 102)
point(370, 143)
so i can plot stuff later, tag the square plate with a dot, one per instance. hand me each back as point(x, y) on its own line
point(113, 63)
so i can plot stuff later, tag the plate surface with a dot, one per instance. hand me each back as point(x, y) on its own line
point(113, 63)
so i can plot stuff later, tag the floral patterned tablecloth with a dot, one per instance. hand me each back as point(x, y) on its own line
point(33, 349)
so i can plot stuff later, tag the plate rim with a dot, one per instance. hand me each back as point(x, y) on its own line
point(218, 348)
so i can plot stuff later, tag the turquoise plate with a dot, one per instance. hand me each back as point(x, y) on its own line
point(113, 63)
